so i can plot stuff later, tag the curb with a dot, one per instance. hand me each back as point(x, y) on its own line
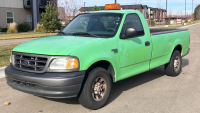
point(179, 27)
point(2, 68)
point(189, 25)
point(2, 73)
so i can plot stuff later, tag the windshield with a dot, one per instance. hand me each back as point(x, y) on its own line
point(94, 24)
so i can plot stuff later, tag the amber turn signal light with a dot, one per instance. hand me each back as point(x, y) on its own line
point(112, 6)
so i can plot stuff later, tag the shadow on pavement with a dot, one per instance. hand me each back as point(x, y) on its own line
point(64, 100)
point(185, 62)
point(135, 81)
point(124, 85)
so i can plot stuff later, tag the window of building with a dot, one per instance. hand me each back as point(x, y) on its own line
point(27, 2)
point(10, 17)
point(29, 18)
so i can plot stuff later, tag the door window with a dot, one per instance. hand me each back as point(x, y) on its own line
point(133, 21)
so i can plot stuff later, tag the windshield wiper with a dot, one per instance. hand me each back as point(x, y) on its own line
point(85, 33)
point(61, 33)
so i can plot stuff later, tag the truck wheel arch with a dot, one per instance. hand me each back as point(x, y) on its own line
point(179, 48)
point(177, 45)
point(104, 64)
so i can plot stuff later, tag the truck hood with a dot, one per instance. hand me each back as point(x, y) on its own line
point(55, 45)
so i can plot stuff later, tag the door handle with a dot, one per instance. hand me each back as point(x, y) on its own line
point(115, 50)
point(147, 43)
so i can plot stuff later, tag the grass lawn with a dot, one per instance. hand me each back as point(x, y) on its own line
point(25, 35)
point(5, 52)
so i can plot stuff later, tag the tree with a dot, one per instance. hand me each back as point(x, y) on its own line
point(186, 18)
point(169, 16)
point(192, 17)
point(177, 16)
point(181, 14)
point(197, 12)
point(70, 9)
point(49, 18)
point(137, 6)
point(159, 13)
point(95, 8)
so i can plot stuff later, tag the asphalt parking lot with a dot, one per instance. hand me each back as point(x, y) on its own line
point(149, 92)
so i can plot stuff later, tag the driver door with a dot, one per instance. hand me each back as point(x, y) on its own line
point(135, 53)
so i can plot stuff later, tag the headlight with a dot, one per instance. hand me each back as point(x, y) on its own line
point(64, 63)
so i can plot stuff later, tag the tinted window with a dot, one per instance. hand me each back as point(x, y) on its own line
point(133, 21)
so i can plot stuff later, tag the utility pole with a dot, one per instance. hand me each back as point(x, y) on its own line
point(166, 6)
point(185, 8)
point(115, 1)
point(192, 6)
point(84, 4)
point(192, 11)
point(166, 13)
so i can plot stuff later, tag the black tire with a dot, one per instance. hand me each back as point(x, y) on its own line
point(174, 67)
point(88, 95)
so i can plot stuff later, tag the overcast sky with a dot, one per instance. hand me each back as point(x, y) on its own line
point(174, 5)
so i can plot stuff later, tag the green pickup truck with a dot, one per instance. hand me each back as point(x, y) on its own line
point(95, 50)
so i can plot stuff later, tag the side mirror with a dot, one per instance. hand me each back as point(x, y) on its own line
point(130, 32)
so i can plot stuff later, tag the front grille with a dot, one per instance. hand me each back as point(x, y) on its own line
point(24, 83)
point(29, 62)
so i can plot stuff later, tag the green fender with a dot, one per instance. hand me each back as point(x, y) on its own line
point(101, 51)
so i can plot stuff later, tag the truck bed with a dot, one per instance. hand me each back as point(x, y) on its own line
point(164, 31)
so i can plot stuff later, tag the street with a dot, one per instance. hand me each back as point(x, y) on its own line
point(14, 41)
point(149, 92)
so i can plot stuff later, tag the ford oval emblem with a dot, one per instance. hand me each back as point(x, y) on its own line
point(25, 62)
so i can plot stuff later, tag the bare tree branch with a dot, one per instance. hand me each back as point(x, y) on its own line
point(69, 9)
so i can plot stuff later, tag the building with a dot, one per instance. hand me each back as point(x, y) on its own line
point(174, 19)
point(138, 7)
point(148, 12)
point(157, 14)
point(22, 11)
point(145, 11)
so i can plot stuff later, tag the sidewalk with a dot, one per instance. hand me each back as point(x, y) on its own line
point(183, 26)
point(14, 41)
point(157, 26)
point(189, 25)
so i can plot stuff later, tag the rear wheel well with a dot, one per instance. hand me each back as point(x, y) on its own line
point(179, 48)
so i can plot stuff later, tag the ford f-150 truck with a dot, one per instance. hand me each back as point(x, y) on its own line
point(95, 50)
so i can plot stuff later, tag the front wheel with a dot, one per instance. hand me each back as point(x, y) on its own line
point(173, 68)
point(96, 89)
